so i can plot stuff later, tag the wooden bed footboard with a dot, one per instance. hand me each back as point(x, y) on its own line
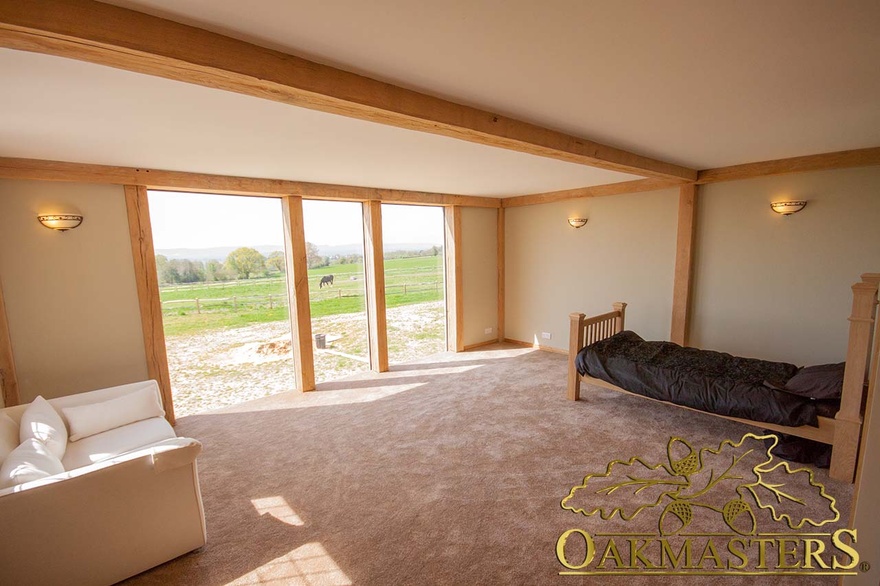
point(861, 366)
point(844, 432)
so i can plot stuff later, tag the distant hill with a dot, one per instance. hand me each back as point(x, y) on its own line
point(218, 253)
point(221, 252)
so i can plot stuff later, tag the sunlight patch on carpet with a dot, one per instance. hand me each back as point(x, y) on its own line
point(308, 565)
point(277, 507)
point(319, 398)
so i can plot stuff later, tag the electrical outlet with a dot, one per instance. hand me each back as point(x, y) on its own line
point(546, 335)
point(487, 331)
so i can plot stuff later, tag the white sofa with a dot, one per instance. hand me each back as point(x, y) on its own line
point(128, 500)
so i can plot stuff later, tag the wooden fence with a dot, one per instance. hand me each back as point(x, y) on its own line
point(273, 300)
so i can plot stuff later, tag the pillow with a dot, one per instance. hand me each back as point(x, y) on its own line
point(88, 420)
point(32, 460)
point(824, 381)
point(41, 422)
point(9, 439)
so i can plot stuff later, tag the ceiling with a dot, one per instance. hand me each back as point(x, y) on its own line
point(60, 109)
point(700, 84)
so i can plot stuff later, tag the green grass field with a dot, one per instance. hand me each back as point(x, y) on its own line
point(241, 303)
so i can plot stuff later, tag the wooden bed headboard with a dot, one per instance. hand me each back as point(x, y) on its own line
point(588, 330)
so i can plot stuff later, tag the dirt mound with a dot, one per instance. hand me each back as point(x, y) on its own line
point(279, 347)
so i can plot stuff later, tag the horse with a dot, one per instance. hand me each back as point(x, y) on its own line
point(325, 280)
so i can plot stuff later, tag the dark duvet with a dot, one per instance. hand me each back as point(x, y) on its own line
point(701, 379)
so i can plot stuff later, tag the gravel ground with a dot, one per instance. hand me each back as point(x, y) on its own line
point(224, 367)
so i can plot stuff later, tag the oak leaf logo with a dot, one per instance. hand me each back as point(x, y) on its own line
point(736, 480)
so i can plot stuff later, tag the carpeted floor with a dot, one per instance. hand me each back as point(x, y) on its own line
point(445, 471)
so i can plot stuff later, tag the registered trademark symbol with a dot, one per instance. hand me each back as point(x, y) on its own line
point(864, 566)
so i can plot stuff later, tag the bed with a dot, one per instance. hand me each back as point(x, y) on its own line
point(754, 398)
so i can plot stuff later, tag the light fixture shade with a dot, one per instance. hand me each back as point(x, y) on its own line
point(577, 222)
point(60, 222)
point(787, 208)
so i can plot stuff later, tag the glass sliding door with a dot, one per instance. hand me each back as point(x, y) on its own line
point(414, 290)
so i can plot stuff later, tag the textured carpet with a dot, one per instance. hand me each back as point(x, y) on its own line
point(446, 471)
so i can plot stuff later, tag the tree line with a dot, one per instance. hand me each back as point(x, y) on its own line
point(246, 263)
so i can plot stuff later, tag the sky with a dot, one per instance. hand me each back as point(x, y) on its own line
point(194, 220)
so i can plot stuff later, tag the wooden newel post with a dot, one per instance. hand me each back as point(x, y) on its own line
point(848, 421)
point(575, 343)
point(619, 320)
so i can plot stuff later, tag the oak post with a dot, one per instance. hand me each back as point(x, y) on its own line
point(298, 293)
point(8, 379)
point(374, 269)
point(501, 275)
point(684, 260)
point(454, 298)
point(147, 281)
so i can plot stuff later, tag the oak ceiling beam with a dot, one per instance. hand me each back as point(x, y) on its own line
point(637, 186)
point(130, 40)
point(36, 169)
point(821, 162)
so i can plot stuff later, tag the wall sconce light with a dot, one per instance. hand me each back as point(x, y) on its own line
point(786, 208)
point(60, 222)
point(577, 222)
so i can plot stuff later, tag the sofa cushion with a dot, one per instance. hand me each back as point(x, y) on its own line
point(88, 420)
point(116, 441)
point(9, 439)
point(32, 460)
point(41, 422)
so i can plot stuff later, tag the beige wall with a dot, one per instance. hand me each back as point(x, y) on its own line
point(626, 252)
point(778, 287)
point(479, 243)
point(70, 297)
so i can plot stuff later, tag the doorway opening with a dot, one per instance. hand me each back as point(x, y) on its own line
point(221, 266)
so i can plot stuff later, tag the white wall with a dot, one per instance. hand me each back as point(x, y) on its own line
point(479, 273)
point(626, 252)
point(778, 287)
point(71, 298)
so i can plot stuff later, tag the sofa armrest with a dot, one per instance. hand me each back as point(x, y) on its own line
point(161, 456)
point(174, 453)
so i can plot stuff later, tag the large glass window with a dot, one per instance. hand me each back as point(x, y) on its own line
point(414, 292)
point(335, 255)
point(223, 289)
